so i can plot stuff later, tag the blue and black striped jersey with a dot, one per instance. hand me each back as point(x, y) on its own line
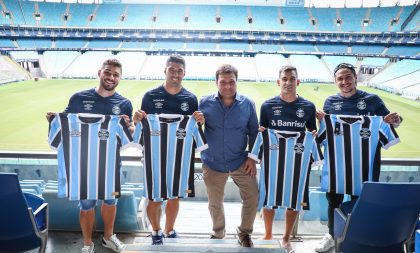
point(169, 142)
point(88, 153)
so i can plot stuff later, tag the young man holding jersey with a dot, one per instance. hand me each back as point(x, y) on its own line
point(169, 98)
point(286, 112)
point(351, 101)
point(106, 101)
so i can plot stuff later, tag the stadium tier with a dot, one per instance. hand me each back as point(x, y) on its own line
point(208, 16)
point(68, 38)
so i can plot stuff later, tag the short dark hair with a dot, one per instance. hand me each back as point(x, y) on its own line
point(288, 68)
point(345, 66)
point(176, 59)
point(226, 69)
point(112, 62)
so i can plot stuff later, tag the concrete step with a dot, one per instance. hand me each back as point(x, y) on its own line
point(195, 245)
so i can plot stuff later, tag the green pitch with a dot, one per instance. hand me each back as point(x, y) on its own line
point(23, 106)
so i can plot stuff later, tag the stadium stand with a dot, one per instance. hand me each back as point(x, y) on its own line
point(234, 16)
point(339, 48)
point(267, 71)
point(52, 14)
point(265, 18)
point(55, 62)
point(82, 66)
point(107, 15)
point(60, 43)
point(325, 19)
point(224, 30)
point(298, 47)
point(34, 43)
point(367, 49)
point(310, 66)
point(203, 17)
point(168, 16)
point(11, 71)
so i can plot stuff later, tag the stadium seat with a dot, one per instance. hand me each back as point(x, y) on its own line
point(317, 206)
point(64, 214)
point(126, 219)
point(23, 217)
point(382, 220)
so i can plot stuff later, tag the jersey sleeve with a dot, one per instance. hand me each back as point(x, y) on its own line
point(54, 133)
point(327, 106)
point(311, 123)
point(72, 105)
point(263, 116)
point(387, 135)
point(145, 103)
point(316, 154)
point(199, 138)
point(256, 148)
point(124, 134)
point(138, 131)
point(381, 109)
point(322, 133)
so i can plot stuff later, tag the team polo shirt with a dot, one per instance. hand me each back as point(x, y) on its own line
point(286, 159)
point(89, 101)
point(88, 153)
point(169, 142)
point(159, 101)
point(350, 145)
point(361, 103)
point(298, 115)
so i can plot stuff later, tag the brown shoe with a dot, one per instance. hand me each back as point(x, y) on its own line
point(245, 241)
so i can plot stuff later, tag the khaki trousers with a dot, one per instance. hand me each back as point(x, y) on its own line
point(215, 183)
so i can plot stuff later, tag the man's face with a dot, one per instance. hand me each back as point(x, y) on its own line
point(109, 77)
point(346, 82)
point(226, 84)
point(288, 82)
point(174, 72)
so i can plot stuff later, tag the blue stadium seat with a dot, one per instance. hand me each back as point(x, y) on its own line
point(382, 220)
point(64, 214)
point(23, 217)
point(126, 219)
point(317, 206)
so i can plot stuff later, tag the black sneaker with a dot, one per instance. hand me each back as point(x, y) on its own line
point(157, 237)
point(172, 234)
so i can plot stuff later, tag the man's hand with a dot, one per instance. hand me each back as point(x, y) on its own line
point(127, 120)
point(319, 115)
point(261, 129)
point(314, 133)
point(48, 115)
point(250, 167)
point(138, 116)
point(393, 118)
point(199, 117)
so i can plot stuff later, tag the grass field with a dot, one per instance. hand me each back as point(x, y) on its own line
point(23, 106)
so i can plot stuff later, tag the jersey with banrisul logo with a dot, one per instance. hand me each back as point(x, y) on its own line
point(285, 167)
point(88, 153)
point(350, 144)
point(169, 142)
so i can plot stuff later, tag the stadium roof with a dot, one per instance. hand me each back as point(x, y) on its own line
point(307, 3)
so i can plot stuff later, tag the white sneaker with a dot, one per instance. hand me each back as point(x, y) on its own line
point(88, 249)
point(326, 244)
point(113, 243)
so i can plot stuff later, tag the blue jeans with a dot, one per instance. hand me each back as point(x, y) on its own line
point(87, 204)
